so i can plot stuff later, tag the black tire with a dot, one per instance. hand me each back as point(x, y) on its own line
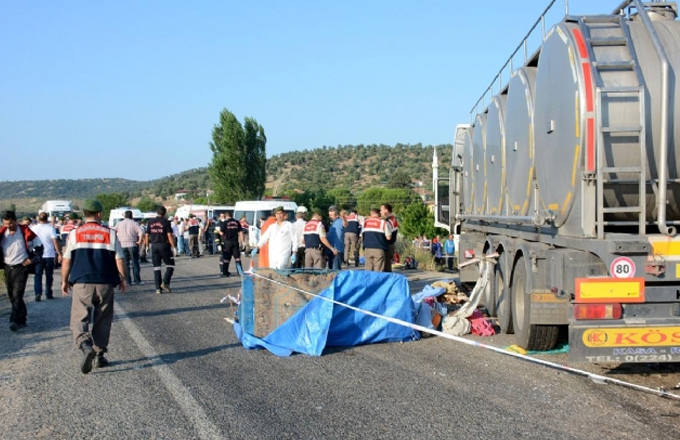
point(503, 300)
point(489, 294)
point(528, 336)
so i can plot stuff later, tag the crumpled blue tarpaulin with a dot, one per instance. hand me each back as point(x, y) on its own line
point(321, 324)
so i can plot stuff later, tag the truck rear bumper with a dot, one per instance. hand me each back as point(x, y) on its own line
point(591, 341)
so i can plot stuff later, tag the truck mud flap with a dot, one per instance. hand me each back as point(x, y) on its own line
point(624, 344)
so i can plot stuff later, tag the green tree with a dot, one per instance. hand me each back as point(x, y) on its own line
point(239, 158)
point(399, 179)
point(343, 198)
point(417, 219)
point(398, 198)
point(145, 204)
point(111, 201)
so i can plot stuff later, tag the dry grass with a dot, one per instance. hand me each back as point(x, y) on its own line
point(423, 256)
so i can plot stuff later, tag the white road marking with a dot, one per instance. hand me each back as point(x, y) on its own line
point(205, 428)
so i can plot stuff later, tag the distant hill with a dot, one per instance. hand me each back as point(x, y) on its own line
point(354, 167)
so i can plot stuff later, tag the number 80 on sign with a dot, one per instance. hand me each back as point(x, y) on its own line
point(622, 267)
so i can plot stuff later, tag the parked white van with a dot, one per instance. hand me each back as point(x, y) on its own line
point(118, 215)
point(257, 209)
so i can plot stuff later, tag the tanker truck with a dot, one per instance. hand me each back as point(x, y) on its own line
point(570, 171)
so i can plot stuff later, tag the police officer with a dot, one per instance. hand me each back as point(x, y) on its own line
point(376, 234)
point(386, 212)
point(314, 236)
point(218, 240)
point(92, 265)
point(352, 232)
point(231, 233)
point(162, 242)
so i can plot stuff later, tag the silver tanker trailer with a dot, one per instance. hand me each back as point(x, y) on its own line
point(570, 171)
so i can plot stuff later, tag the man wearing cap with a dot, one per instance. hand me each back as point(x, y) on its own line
point(51, 249)
point(131, 236)
point(300, 222)
point(282, 241)
point(315, 238)
point(159, 237)
point(14, 240)
point(92, 265)
point(376, 234)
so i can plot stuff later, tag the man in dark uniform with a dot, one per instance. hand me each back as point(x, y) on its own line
point(231, 235)
point(92, 265)
point(386, 212)
point(160, 238)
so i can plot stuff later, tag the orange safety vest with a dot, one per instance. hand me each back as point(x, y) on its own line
point(264, 250)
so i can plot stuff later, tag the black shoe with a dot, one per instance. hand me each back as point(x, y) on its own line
point(100, 361)
point(223, 275)
point(88, 357)
point(37, 298)
point(49, 297)
point(21, 325)
point(166, 288)
point(13, 326)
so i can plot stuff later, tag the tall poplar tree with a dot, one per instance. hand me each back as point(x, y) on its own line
point(237, 170)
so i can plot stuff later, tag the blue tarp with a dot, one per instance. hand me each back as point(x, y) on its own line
point(321, 324)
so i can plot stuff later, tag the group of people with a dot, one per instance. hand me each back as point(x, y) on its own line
point(94, 260)
point(314, 244)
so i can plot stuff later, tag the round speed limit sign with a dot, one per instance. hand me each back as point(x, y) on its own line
point(622, 267)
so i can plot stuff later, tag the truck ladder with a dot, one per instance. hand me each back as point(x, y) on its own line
point(609, 93)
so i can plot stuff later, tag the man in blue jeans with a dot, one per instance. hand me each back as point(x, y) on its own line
point(130, 235)
point(449, 250)
point(51, 249)
point(336, 237)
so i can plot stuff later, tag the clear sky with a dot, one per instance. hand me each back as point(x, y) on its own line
point(132, 89)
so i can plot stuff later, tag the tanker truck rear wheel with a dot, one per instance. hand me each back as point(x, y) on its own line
point(490, 290)
point(502, 296)
point(528, 336)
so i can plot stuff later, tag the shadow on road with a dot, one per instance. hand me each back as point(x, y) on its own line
point(163, 359)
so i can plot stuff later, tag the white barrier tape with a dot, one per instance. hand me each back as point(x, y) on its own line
point(592, 376)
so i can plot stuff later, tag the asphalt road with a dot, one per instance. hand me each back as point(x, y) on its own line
point(178, 372)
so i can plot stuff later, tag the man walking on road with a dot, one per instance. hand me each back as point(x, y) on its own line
point(14, 239)
point(131, 236)
point(194, 230)
point(51, 250)
point(159, 237)
point(92, 266)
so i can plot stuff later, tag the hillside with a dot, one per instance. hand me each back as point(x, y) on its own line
point(354, 167)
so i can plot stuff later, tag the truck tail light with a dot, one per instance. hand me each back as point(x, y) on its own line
point(597, 311)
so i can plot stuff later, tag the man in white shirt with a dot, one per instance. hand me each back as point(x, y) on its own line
point(49, 241)
point(282, 240)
